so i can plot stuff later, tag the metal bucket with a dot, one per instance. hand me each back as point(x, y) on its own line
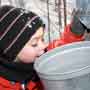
point(66, 67)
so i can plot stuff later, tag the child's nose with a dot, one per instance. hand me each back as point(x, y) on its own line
point(44, 45)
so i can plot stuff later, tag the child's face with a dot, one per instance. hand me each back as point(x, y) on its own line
point(33, 48)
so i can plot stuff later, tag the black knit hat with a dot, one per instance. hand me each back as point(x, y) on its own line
point(16, 27)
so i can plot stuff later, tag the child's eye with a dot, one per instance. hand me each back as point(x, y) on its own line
point(43, 39)
point(34, 45)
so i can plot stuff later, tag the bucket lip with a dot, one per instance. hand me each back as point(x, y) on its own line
point(62, 48)
point(66, 75)
point(63, 76)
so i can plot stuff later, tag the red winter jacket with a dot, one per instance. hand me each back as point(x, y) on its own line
point(7, 85)
point(66, 37)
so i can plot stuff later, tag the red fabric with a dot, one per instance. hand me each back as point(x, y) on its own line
point(35, 86)
point(7, 85)
point(66, 37)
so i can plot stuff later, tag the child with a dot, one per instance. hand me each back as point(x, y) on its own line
point(79, 28)
point(21, 42)
point(74, 32)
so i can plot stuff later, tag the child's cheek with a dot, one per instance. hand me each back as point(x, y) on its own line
point(27, 55)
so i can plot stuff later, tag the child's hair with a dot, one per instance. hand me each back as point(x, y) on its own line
point(17, 25)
